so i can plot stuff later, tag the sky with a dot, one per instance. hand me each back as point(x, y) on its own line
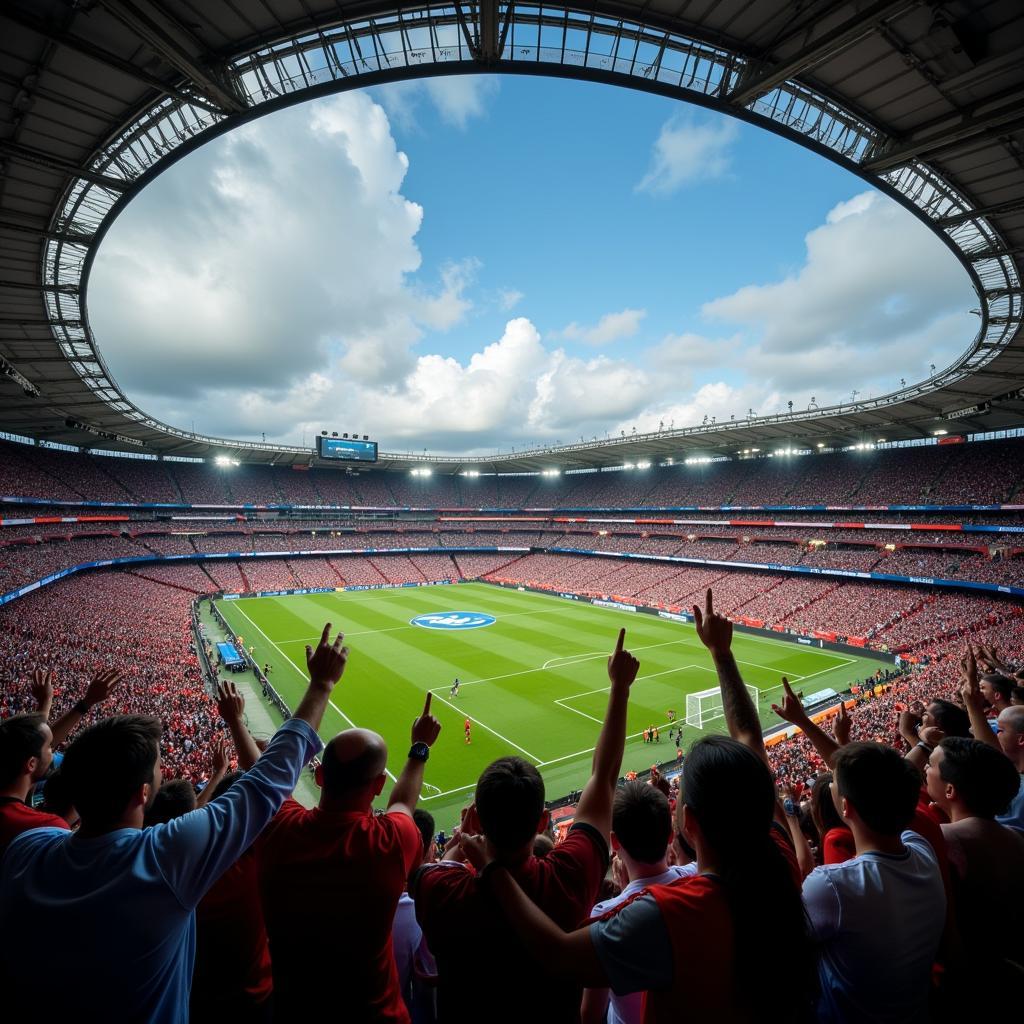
point(473, 263)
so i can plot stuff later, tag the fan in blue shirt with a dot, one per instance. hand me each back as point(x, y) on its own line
point(114, 904)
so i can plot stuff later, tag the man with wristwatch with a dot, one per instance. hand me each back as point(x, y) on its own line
point(342, 866)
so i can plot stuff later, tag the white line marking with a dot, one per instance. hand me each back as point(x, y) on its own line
point(576, 711)
point(482, 725)
point(639, 679)
point(303, 674)
point(572, 659)
point(448, 792)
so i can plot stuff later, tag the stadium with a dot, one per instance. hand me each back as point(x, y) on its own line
point(833, 590)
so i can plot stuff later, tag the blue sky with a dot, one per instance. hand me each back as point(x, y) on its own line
point(465, 264)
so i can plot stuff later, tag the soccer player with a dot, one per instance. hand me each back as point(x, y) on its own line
point(469, 728)
point(455, 687)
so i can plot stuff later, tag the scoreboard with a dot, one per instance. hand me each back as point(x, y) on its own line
point(344, 449)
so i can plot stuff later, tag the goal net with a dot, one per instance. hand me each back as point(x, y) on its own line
point(705, 707)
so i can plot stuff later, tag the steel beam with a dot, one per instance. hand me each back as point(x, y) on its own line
point(948, 131)
point(101, 56)
point(167, 48)
point(843, 35)
point(38, 158)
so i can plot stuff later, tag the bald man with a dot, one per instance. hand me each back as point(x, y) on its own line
point(1010, 726)
point(331, 879)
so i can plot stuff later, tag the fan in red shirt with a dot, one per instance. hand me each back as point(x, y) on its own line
point(26, 752)
point(698, 943)
point(464, 927)
point(342, 867)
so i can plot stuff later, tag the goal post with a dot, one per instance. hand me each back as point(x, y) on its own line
point(705, 706)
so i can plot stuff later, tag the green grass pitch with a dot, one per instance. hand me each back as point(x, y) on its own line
point(533, 683)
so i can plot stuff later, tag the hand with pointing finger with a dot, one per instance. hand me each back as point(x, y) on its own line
point(714, 630)
point(791, 710)
point(622, 666)
point(327, 663)
point(426, 728)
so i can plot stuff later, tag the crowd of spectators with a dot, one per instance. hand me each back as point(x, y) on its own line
point(976, 473)
point(860, 864)
point(138, 627)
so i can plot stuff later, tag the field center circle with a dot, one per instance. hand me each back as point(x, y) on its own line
point(453, 620)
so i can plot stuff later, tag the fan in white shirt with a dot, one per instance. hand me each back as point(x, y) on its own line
point(640, 837)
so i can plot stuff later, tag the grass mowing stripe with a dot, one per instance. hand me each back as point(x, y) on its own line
point(537, 669)
point(301, 673)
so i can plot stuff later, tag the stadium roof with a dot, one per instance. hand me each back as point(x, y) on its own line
point(924, 100)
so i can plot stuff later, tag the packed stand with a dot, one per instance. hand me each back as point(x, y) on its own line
point(878, 875)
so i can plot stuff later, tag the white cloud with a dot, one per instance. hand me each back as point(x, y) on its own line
point(509, 298)
point(457, 99)
point(687, 151)
point(684, 352)
point(876, 298)
point(237, 273)
point(611, 327)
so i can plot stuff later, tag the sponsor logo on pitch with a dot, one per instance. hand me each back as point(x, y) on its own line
point(453, 620)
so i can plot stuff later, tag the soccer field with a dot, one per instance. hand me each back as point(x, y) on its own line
point(533, 680)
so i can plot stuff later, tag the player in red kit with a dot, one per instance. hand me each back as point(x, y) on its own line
point(469, 728)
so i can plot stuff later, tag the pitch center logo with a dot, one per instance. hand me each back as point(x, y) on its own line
point(453, 620)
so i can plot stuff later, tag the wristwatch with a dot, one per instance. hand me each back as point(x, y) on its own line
point(419, 752)
point(790, 807)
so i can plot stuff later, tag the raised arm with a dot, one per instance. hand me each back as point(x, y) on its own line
point(193, 851)
point(595, 806)
point(42, 690)
point(406, 792)
point(715, 632)
point(792, 711)
point(326, 666)
point(569, 954)
point(974, 701)
point(98, 690)
point(221, 759)
point(791, 809)
point(230, 705)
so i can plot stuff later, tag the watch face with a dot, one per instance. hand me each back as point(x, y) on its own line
point(420, 750)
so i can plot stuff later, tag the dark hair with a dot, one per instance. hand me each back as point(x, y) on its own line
point(21, 737)
point(823, 810)
point(340, 777)
point(1003, 685)
point(510, 802)
point(425, 823)
point(881, 785)
point(172, 800)
point(1017, 694)
point(108, 762)
point(226, 783)
point(731, 793)
point(642, 821)
point(56, 796)
point(950, 717)
point(542, 845)
point(985, 779)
